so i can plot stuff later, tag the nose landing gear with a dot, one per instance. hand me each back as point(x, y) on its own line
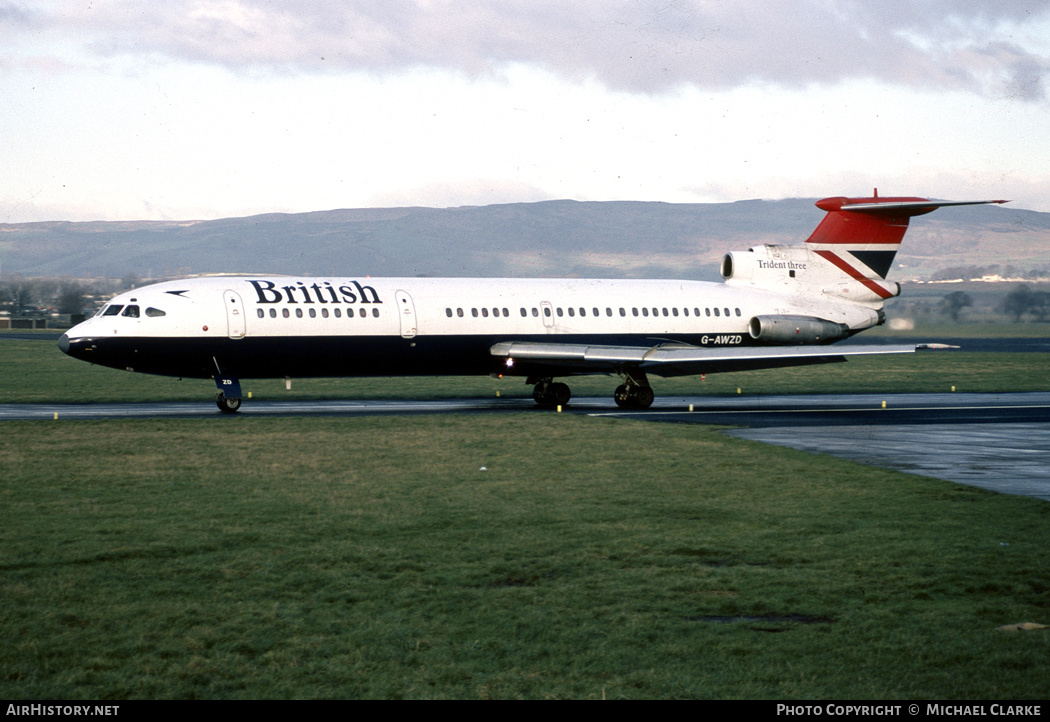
point(229, 398)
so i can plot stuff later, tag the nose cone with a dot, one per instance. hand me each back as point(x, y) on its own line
point(63, 343)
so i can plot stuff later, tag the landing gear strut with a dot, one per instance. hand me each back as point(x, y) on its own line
point(635, 392)
point(548, 393)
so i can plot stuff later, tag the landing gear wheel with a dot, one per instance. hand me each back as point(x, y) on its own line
point(559, 394)
point(633, 397)
point(643, 397)
point(539, 394)
point(547, 393)
point(227, 406)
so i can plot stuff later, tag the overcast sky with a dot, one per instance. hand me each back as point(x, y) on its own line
point(193, 109)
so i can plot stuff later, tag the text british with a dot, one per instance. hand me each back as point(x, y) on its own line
point(323, 292)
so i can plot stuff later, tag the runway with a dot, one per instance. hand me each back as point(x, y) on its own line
point(996, 441)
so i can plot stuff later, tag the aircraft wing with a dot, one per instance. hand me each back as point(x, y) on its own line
point(674, 359)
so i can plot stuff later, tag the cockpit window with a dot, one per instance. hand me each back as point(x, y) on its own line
point(154, 312)
point(131, 311)
point(112, 310)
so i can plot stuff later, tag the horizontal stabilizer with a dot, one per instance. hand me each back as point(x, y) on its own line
point(910, 207)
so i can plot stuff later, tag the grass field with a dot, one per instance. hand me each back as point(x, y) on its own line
point(500, 556)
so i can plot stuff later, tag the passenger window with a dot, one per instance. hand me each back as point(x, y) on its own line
point(623, 311)
point(665, 311)
point(727, 312)
point(339, 314)
point(284, 312)
point(485, 312)
point(474, 312)
point(156, 312)
point(674, 311)
point(298, 313)
point(112, 310)
point(448, 312)
point(716, 312)
point(560, 312)
point(583, 311)
point(361, 312)
point(547, 312)
point(324, 313)
point(313, 313)
point(634, 311)
point(506, 313)
point(572, 311)
point(259, 312)
point(524, 313)
point(273, 313)
point(131, 311)
point(738, 312)
point(645, 312)
point(375, 312)
point(459, 312)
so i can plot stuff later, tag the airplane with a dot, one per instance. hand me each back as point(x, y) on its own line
point(777, 306)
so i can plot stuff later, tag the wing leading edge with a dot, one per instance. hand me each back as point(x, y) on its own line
point(673, 359)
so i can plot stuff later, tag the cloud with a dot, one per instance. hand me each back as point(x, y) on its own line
point(639, 46)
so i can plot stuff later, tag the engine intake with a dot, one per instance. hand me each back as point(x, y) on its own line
point(795, 329)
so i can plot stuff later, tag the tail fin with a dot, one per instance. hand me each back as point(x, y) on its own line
point(860, 236)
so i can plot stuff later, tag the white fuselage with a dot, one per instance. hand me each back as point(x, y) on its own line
point(275, 306)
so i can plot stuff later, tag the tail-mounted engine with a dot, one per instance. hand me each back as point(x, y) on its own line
point(795, 330)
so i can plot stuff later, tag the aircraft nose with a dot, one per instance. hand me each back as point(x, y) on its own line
point(63, 343)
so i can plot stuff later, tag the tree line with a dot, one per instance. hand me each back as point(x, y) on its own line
point(20, 294)
point(1020, 302)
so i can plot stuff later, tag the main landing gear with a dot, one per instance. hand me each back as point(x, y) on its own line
point(549, 393)
point(632, 396)
point(634, 393)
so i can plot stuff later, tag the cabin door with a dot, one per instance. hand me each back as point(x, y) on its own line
point(406, 311)
point(234, 314)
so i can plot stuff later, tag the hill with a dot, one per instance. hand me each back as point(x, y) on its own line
point(551, 238)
